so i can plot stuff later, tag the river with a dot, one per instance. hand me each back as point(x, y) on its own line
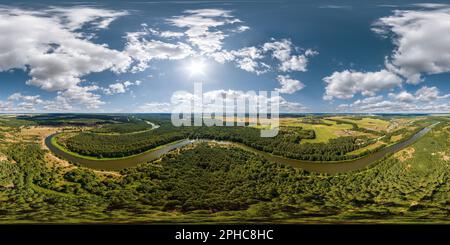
point(319, 167)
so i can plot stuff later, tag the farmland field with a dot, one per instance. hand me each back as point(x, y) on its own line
point(367, 122)
point(324, 132)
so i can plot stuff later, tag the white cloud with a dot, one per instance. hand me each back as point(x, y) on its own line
point(369, 100)
point(143, 51)
point(18, 102)
point(396, 106)
point(184, 100)
point(171, 34)
point(25, 98)
point(345, 84)
point(116, 88)
point(431, 5)
point(422, 38)
point(201, 27)
point(77, 17)
point(429, 94)
point(424, 94)
point(205, 31)
point(54, 56)
point(55, 48)
point(248, 58)
point(67, 100)
point(80, 95)
point(50, 47)
point(252, 59)
point(403, 96)
point(425, 99)
point(120, 87)
point(242, 29)
point(288, 106)
point(282, 51)
point(155, 107)
point(288, 85)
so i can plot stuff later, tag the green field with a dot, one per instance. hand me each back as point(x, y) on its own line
point(368, 123)
point(323, 132)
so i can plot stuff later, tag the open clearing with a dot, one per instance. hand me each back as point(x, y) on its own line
point(405, 154)
point(323, 132)
point(367, 122)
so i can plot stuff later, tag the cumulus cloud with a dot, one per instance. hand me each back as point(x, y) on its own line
point(424, 94)
point(49, 46)
point(54, 56)
point(206, 30)
point(422, 40)
point(18, 102)
point(282, 51)
point(65, 100)
point(25, 98)
point(143, 51)
point(56, 48)
point(396, 106)
point(288, 85)
point(120, 87)
point(254, 58)
point(403, 96)
point(201, 27)
point(345, 84)
point(183, 101)
point(429, 94)
point(248, 60)
point(80, 95)
point(418, 52)
point(425, 99)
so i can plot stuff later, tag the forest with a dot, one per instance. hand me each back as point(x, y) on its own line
point(216, 183)
point(288, 143)
point(115, 140)
point(120, 145)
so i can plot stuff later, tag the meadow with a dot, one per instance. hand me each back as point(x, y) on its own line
point(324, 130)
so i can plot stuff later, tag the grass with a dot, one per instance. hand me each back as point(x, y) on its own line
point(368, 123)
point(396, 138)
point(323, 132)
point(13, 122)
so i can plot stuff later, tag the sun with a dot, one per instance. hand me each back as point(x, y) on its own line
point(196, 67)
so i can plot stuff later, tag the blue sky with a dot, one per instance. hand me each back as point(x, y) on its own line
point(321, 56)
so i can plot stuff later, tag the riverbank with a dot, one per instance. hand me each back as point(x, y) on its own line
point(153, 154)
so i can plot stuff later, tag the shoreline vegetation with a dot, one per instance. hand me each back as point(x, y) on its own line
point(290, 143)
point(214, 183)
point(54, 142)
point(302, 164)
point(359, 162)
